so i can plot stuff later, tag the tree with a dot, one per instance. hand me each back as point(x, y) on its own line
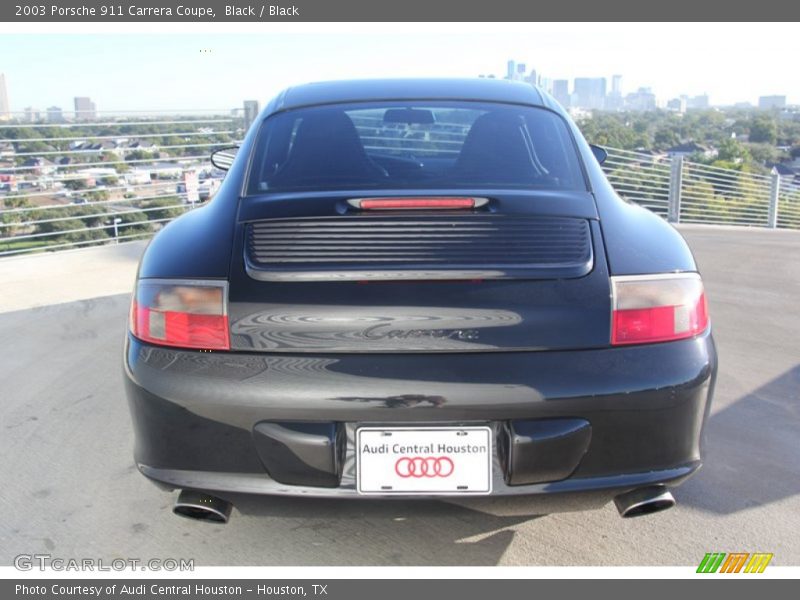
point(666, 138)
point(76, 184)
point(97, 195)
point(66, 230)
point(13, 218)
point(131, 223)
point(705, 205)
point(636, 184)
point(139, 155)
point(733, 151)
point(34, 147)
point(90, 215)
point(608, 129)
point(764, 153)
point(172, 208)
point(763, 129)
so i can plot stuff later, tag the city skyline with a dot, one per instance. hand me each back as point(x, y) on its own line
point(589, 93)
point(730, 63)
point(594, 93)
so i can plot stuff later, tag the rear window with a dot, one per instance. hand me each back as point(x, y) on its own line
point(414, 145)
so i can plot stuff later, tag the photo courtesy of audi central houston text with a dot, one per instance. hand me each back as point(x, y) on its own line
point(418, 288)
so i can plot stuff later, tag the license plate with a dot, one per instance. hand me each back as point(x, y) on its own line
point(424, 460)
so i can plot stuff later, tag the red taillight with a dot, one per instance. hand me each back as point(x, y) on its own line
point(416, 203)
point(657, 308)
point(187, 314)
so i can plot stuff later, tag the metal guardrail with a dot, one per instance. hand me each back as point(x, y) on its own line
point(683, 191)
point(123, 177)
point(115, 178)
point(641, 178)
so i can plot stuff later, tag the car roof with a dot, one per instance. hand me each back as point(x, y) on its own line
point(367, 90)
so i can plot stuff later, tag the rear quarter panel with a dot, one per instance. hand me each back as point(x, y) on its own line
point(198, 244)
point(637, 241)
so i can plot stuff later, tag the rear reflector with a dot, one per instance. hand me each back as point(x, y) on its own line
point(184, 314)
point(657, 308)
point(416, 203)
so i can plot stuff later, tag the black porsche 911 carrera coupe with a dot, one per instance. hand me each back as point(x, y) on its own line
point(416, 289)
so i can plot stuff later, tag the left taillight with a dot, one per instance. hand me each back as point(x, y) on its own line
point(657, 308)
point(181, 313)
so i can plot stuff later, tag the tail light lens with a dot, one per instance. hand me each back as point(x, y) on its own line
point(184, 314)
point(657, 308)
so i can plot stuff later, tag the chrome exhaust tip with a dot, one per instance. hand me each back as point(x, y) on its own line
point(644, 501)
point(202, 507)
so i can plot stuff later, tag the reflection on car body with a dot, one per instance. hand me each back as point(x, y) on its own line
point(423, 260)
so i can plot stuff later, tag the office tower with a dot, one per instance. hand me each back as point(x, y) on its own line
point(511, 70)
point(55, 114)
point(250, 112)
point(771, 102)
point(85, 109)
point(5, 111)
point(616, 85)
point(677, 104)
point(614, 100)
point(31, 114)
point(698, 102)
point(590, 92)
point(561, 92)
point(641, 100)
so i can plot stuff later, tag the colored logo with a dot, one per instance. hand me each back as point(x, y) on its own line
point(734, 562)
point(424, 466)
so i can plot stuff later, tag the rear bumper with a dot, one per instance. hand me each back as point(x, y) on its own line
point(196, 414)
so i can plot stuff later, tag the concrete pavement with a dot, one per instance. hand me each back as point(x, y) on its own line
point(34, 280)
point(70, 488)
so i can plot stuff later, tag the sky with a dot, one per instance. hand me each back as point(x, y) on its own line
point(218, 67)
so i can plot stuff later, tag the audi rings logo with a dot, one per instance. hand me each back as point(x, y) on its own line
point(424, 466)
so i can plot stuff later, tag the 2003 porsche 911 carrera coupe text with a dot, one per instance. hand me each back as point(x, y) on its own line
point(418, 288)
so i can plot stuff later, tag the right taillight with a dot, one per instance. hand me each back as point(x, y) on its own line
point(657, 308)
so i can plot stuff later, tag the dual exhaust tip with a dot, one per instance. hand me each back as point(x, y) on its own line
point(202, 507)
point(644, 501)
point(635, 503)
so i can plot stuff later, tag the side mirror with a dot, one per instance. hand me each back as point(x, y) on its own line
point(600, 153)
point(223, 158)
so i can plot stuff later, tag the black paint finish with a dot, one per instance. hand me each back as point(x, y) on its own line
point(537, 451)
point(528, 356)
point(646, 405)
point(301, 453)
point(422, 316)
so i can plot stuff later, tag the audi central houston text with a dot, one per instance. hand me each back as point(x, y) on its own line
point(156, 589)
point(415, 449)
point(418, 288)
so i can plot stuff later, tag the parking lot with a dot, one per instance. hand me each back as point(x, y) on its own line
point(70, 488)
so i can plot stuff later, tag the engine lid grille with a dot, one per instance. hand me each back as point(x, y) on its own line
point(418, 247)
